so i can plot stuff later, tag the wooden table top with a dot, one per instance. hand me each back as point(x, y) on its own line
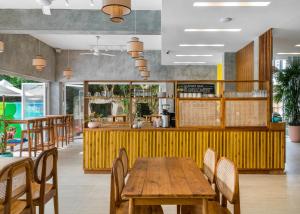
point(167, 178)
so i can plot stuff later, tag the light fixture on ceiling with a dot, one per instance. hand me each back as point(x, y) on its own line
point(189, 62)
point(135, 47)
point(201, 45)
point(67, 3)
point(145, 74)
point(298, 45)
point(39, 62)
point(116, 9)
point(68, 72)
point(92, 3)
point(212, 30)
point(1, 46)
point(291, 53)
point(193, 55)
point(226, 19)
point(232, 4)
point(141, 63)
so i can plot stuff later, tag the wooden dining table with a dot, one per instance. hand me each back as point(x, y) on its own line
point(167, 181)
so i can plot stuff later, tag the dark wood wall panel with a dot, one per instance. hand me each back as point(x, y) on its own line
point(265, 56)
point(245, 67)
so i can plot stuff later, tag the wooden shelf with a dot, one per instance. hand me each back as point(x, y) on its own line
point(154, 97)
point(199, 98)
point(104, 98)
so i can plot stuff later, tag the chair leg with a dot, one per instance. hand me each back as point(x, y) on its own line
point(42, 208)
point(55, 203)
point(178, 209)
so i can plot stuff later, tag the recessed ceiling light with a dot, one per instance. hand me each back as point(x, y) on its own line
point(295, 53)
point(92, 3)
point(194, 55)
point(67, 3)
point(211, 30)
point(232, 4)
point(226, 19)
point(297, 45)
point(201, 45)
point(189, 62)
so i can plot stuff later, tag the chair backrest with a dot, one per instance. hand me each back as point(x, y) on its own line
point(124, 158)
point(209, 164)
point(15, 181)
point(45, 167)
point(227, 181)
point(117, 184)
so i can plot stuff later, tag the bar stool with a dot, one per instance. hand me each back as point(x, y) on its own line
point(60, 129)
point(70, 128)
point(48, 128)
point(35, 137)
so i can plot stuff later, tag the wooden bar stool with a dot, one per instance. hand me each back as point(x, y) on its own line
point(70, 128)
point(34, 135)
point(48, 129)
point(60, 133)
point(15, 182)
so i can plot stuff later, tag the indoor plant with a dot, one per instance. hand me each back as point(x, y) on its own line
point(94, 120)
point(287, 91)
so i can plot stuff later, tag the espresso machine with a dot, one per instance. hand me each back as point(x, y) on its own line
point(165, 117)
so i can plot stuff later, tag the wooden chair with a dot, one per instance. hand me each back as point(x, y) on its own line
point(228, 184)
point(45, 169)
point(15, 182)
point(119, 205)
point(124, 158)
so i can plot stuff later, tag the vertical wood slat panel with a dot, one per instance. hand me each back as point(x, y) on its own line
point(245, 67)
point(250, 150)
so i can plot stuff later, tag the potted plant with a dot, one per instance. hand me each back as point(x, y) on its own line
point(3, 151)
point(287, 91)
point(94, 120)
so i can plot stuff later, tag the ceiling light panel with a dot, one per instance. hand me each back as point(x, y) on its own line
point(189, 62)
point(194, 55)
point(292, 53)
point(201, 45)
point(232, 4)
point(212, 30)
point(298, 45)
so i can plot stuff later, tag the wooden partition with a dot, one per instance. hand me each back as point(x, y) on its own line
point(254, 151)
point(245, 66)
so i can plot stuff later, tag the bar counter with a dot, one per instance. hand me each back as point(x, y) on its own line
point(254, 150)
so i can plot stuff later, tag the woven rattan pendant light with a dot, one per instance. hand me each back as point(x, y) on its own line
point(135, 47)
point(145, 74)
point(116, 9)
point(39, 62)
point(141, 63)
point(68, 72)
point(1, 46)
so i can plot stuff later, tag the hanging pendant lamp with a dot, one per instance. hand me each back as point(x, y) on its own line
point(1, 46)
point(39, 62)
point(145, 74)
point(68, 72)
point(141, 63)
point(135, 47)
point(116, 9)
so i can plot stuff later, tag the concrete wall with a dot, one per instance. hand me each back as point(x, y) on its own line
point(18, 54)
point(121, 67)
point(229, 69)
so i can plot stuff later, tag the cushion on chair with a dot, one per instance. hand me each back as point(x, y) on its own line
point(36, 190)
point(213, 208)
point(16, 208)
point(16, 141)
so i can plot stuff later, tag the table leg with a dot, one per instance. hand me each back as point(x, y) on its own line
point(131, 206)
point(205, 206)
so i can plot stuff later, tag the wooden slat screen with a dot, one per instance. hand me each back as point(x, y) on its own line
point(265, 56)
point(245, 66)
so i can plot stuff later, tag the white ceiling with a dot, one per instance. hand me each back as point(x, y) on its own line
point(84, 42)
point(178, 15)
point(77, 4)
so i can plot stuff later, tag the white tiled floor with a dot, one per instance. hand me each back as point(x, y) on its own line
point(89, 194)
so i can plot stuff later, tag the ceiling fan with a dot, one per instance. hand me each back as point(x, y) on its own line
point(45, 6)
point(95, 51)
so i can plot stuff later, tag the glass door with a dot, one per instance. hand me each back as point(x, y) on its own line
point(74, 104)
point(34, 96)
